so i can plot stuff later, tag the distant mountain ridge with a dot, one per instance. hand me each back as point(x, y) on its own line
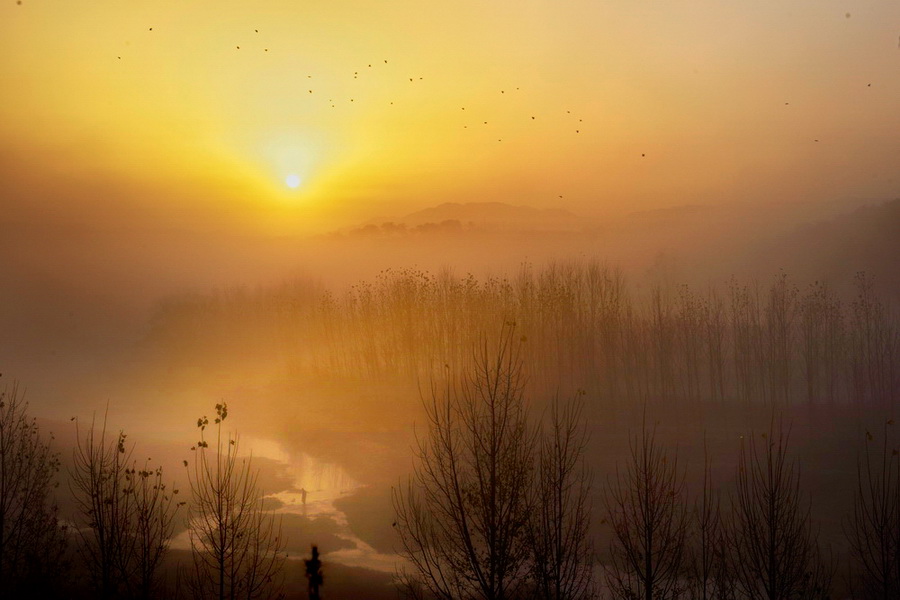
point(866, 239)
point(696, 243)
point(495, 216)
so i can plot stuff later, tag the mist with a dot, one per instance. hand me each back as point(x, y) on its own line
point(325, 346)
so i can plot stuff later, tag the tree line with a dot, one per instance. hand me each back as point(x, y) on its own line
point(742, 342)
point(500, 502)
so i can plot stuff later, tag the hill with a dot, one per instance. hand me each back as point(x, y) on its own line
point(482, 216)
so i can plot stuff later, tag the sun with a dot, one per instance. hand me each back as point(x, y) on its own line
point(292, 181)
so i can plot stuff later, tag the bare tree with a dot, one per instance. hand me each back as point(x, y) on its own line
point(236, 546)
point(874, 350)
point(32, 543)
point(562, 552)
point(873, 528)
point(748, 352)
point(127, 515)
point(104, 502)
point(781, 313)
point(709, 566)
point(821, 343)
point(645, 507)
point(775, 554)
point(462, 517)
point(715, 331)
point(689, 330)
point(663, 340)
point(152, 526)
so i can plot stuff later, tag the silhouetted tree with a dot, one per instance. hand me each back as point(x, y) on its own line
point(689, 341)
point(152, 526)
point(104, 504)
point(715, 347)
point(127, 515)
point(781, 312)
point(236, 546)
point(748, 348)
point(32, 543)
point(874, 350)
point(462, 517)
point(822, 346)
point(663, 340)
point(645, 508)
point(562, 553)
point(774, 552)
point(709, 569)
point(873, 528)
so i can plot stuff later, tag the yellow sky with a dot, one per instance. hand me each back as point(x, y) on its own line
point(635, 105)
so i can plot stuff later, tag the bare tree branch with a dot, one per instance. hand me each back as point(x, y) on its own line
point(645, 507)
point(462, 517)
point(237, 548)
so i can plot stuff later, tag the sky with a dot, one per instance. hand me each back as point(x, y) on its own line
point(191, 115)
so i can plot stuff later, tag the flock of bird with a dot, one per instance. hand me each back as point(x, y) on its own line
point(577, 127)
point(333, 102)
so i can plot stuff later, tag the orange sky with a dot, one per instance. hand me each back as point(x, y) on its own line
point(197, 122)
point(137, 163)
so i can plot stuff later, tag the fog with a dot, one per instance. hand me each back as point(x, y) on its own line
point(324, 347)
point(78, 302)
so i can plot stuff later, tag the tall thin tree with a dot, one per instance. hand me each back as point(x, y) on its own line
point(32, 542)
point(562, 550)
point(237, 548)
point(102, 496)
point(462, 517)
point(709, 565)
point(873, 528)
point(126, 515)
point(645, 506)
point(775, 553)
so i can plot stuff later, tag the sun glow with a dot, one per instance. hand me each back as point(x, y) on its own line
point(292, 181)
